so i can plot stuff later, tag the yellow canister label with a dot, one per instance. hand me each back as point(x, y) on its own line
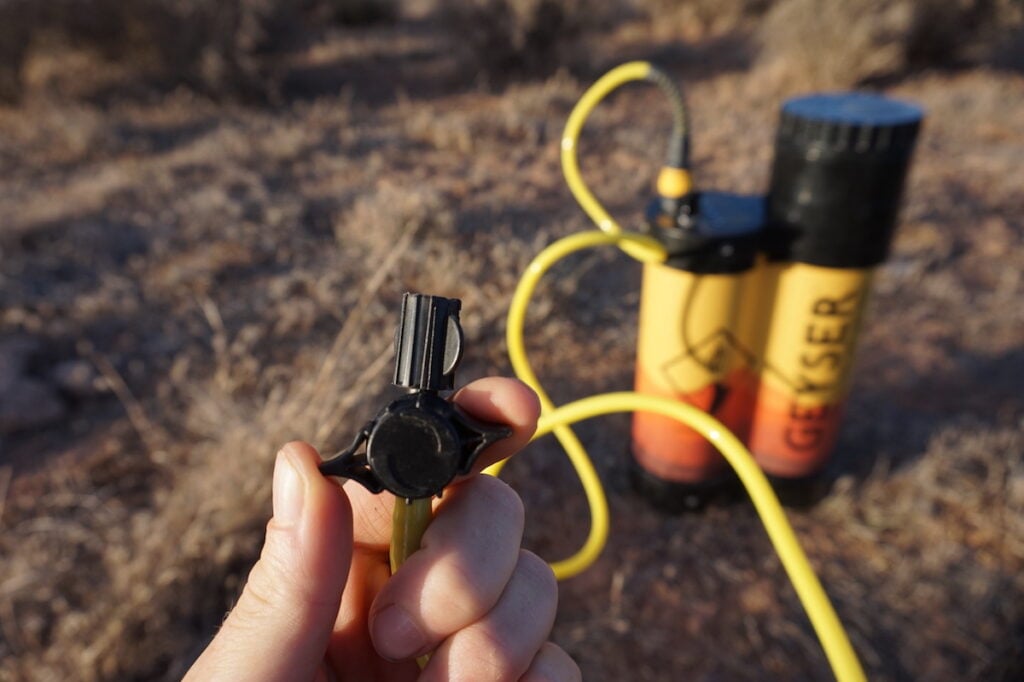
point(815, 318)
point(688, 349)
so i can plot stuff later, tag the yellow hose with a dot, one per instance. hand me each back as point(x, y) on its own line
point(556, 420)
point(410, 520)
point(617, 77)
point(644, 247)
point(819, 609)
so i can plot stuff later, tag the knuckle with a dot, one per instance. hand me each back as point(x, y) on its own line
point(259, 597)
point(467, 593)
point(552, 664)
point(448, 594)
point(494, 660)
point(502, 501)
point(539, 574)
point(472, 551)
point(276, 583)
point(479, 654)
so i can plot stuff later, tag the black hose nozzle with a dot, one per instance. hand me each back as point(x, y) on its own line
point(418, 443)
point(428, 343)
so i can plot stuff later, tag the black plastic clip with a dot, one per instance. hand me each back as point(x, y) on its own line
point(418, 443)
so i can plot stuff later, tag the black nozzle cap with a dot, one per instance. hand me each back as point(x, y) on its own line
point(709, 232)
point(428, 343)
point(841, 162)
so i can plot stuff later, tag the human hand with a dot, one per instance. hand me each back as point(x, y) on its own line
point(321, 604)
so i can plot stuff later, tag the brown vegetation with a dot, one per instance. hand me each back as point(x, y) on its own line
point(840, 43)
point(227, 48)
point(193, 283)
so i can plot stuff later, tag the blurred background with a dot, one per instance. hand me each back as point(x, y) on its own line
point(209, 211)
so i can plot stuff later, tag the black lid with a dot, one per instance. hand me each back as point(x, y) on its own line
point(841, 161)
point(710, 233)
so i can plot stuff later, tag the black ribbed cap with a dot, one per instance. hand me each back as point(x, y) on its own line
point(841, 161)
point(428, 343)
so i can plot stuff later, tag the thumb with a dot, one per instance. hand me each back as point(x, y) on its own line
point(280, 626)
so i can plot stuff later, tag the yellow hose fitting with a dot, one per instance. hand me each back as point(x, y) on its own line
point(674, 183)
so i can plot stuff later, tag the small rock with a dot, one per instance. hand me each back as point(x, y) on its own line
point(1015, 488)
point(757, 597)
point(14, 354)
point(29, 404)
point(78, 378)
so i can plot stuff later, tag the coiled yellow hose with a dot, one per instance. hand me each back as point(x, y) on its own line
point(646, 248)
point(616, 78)
point(819, 609)
point(410, 521)
point(556, 420)
point(831, 634)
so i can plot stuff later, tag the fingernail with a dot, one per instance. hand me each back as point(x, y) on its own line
point(395, 635)
point(289, 491)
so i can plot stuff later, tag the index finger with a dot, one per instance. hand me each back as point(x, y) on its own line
point(501, 400)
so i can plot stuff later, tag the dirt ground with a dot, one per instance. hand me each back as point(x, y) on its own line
point(185, 285)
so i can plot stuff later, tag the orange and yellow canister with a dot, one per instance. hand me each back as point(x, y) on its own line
point(755, 315)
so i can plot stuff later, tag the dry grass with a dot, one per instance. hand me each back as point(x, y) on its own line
point(204, 509)
point(182, 534)
point(945, 532)
point(227, 48)
point(237, 270)
point(695, 19)
point(506, 36)
point(841, 43)
point(244, 49)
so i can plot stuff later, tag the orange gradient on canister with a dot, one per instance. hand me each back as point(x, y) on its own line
point(673, 451)
point(805, 361)
point(689, 348)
